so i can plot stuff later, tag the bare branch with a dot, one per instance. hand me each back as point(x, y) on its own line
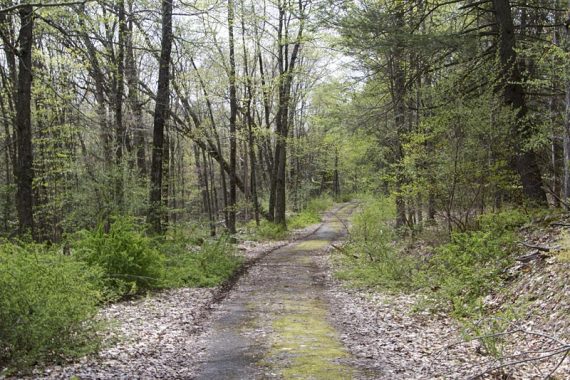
point(43, 5)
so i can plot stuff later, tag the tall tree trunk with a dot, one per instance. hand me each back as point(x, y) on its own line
point(398, 96)
point(249, 122)
point(120, 133)
point(134, 99)
point(233, 119)
point(25, 174)
point(286, 63)
point(161, 114)
point(525, 161)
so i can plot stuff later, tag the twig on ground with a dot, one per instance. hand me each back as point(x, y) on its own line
point(563, 350)
point(559, 224)
point(344, 251)
point(541, 248)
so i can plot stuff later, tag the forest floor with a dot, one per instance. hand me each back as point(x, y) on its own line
point(284, 317)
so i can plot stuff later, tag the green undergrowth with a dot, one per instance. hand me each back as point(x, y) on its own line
point(311, 214)
point(47, 304)
point(266, 231)
point(371, 258)
point(454, 277)
point(205, 265)
point(128, 258)
point(49, 295)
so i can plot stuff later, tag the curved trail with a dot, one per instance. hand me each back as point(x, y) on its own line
point(274, 323)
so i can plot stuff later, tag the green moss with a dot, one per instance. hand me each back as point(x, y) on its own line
point(310, 245)
point(308, 344)
point(564, 254)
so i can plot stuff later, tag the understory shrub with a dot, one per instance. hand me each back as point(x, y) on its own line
point(202, 266)
point(371, 258)
point(467, 268)
point(267, 231)
point(130, 261)
point(47, 302)
point(471, 264)
point(310, 214)
point(455, 277)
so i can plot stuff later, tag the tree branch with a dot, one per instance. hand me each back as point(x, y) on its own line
point(43, 5)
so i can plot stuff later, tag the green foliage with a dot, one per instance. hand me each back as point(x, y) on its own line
point(311, 214)
point(371, 258)
point(303, 219)
point(467, 268)
point(268, 231)
point(504, 221)
point(95, 197)
point(457, 275)
point(488, 329)
point(470, 265)
point(199, 266)
point(47, 302)
point(128, 258)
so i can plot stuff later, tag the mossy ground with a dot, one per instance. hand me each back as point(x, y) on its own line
point(564, 254)
point(309, 345)
point(311, 245)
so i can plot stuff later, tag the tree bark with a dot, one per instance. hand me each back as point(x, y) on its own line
point(161, 114)
point(525, 160)
point(134, 102)
point(119, 85)
point(25, 173)
point(286, 63)
point(233, 119)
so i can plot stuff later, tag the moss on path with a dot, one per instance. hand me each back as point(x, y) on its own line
point(275, 323)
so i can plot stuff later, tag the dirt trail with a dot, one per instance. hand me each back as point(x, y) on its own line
point(275, 322)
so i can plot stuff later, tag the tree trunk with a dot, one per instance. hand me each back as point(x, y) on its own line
point(25, 174)
point(119, 94)
point(134, 101)
point(233, 119)
point(161, 114)
point(286, 63)
point(525, 160)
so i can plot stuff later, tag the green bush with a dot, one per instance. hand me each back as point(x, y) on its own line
point(457, 275)
point(211, 265)
point(503, 221)
point(303, 219)
point(311, 214)
point(268, 231)
point(320, 204)
point(129, 259)
point(47, 302)
point(371, 257)
point(468, 268)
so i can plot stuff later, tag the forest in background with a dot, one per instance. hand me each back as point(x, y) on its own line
point(143, 127)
